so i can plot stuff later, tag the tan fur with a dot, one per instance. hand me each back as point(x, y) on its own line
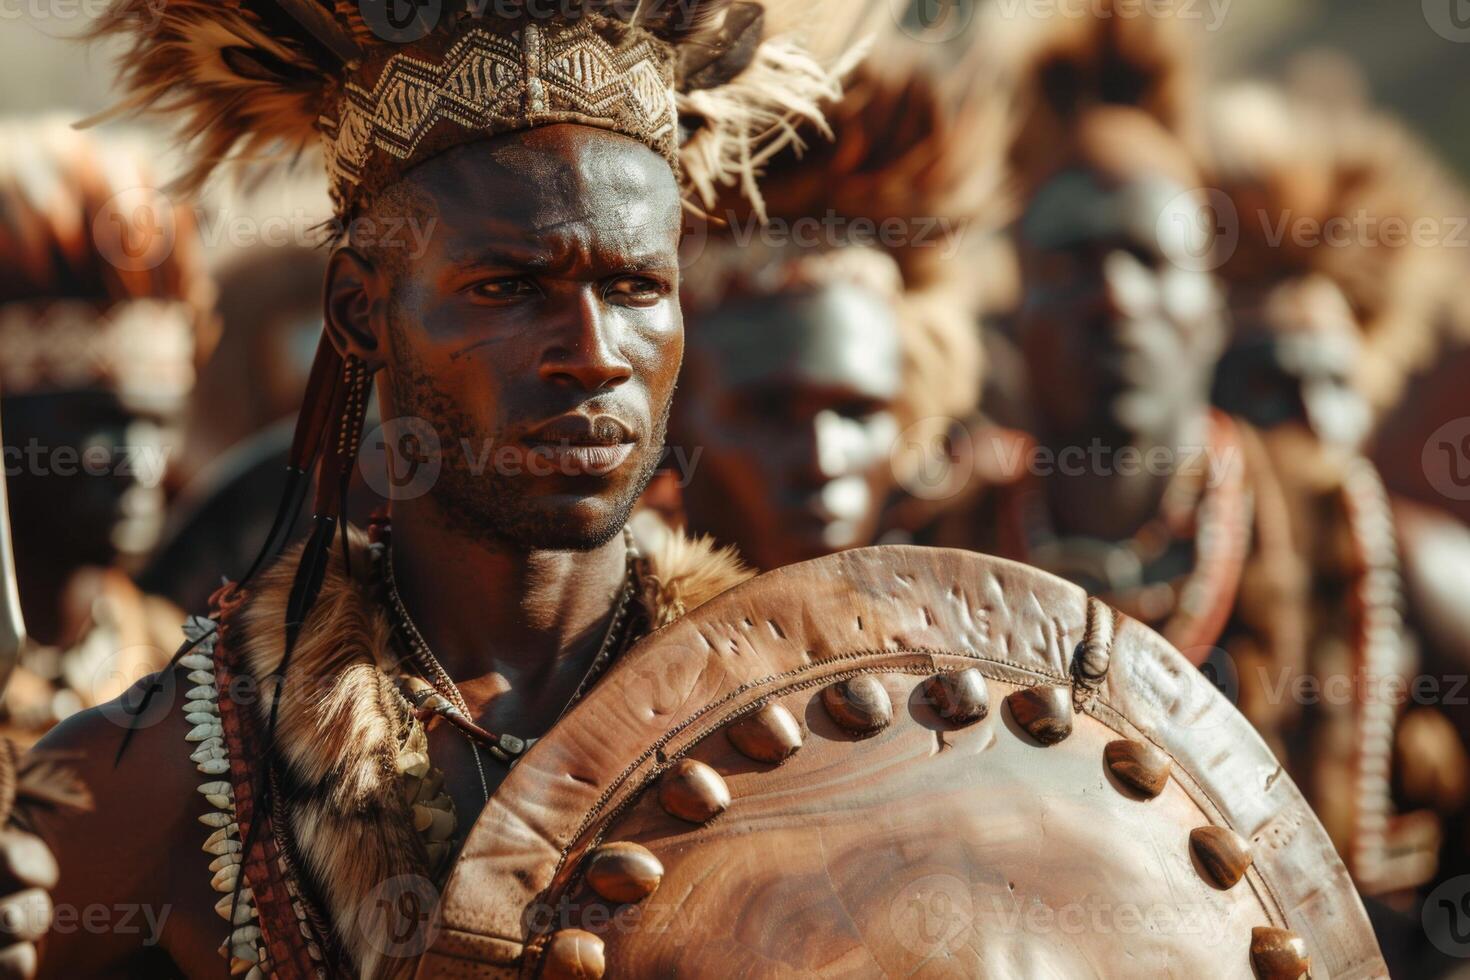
point(1063, 66)
point(342, 722)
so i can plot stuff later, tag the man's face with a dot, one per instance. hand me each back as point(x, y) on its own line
point(790, 404)
point(539, 333)
point(1119, 326)
point(85, 475)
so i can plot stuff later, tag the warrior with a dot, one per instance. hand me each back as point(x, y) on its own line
point(105, 313)
point(1135, 486)
point(525, 360)
point(829, 347)
point(1328, 318)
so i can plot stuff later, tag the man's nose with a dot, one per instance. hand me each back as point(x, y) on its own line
point(584, 346)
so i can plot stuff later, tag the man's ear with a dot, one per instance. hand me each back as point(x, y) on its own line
point(354, 289)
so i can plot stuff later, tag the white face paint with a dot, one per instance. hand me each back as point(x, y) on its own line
point(846, 448)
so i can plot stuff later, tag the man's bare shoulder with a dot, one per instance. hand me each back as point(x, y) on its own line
point(131, 849)
point(140, 734)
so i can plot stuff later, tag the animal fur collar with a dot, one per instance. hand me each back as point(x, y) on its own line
point(343, 726)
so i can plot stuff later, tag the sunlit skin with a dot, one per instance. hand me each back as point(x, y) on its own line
point(1120, 328)
point(548, 295)
point(789, 403)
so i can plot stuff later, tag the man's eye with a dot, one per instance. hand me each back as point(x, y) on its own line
point(514, 287)
point(636, 291)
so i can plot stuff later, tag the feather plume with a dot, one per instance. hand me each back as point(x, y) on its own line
point(240, 87)
point(1062, 66)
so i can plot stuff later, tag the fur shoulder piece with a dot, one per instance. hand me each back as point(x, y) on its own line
point(344, 730)
point(682, 573)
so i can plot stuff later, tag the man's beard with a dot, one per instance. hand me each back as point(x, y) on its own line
point(485, 504)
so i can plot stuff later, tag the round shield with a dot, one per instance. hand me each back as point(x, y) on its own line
point(901, 762)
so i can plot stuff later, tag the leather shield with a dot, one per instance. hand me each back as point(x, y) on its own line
point(901, 762)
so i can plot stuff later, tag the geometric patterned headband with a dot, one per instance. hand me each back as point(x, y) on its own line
point(479, 82)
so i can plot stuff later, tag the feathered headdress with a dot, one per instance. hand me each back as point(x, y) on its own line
point(1348, 195)
point(103, 281)
point(1116, 55)
point(698, 81)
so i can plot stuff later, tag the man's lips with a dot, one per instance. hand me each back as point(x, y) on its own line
point(580, 430)
point(576, 445)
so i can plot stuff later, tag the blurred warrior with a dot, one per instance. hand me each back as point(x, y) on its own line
point(1135, 487)
point(832, 347)
point(1338, 284)
point(105, 310)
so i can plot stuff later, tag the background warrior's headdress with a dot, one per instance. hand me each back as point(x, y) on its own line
point(1345, 195)
point(1115, 59)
